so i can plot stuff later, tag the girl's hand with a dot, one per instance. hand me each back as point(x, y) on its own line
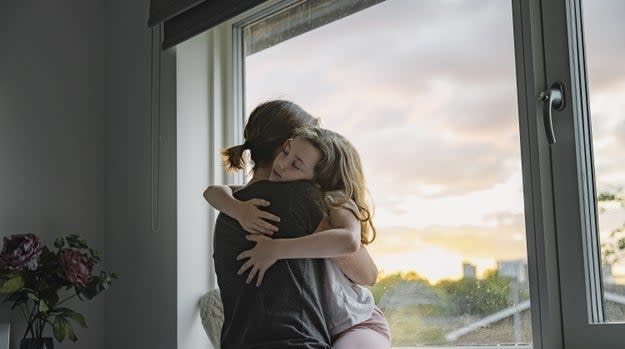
point(252, 219)
point(261, 257)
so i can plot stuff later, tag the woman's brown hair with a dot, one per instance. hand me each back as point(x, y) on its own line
point(270, 124)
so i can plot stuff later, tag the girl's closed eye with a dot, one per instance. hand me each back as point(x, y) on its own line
point(295, 161)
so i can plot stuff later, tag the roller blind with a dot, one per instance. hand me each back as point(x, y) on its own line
point(183, 19)
point(161, 10)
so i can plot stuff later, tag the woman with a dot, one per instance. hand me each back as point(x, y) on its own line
point(330, 161)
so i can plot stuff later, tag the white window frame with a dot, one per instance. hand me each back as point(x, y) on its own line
point(549, 278)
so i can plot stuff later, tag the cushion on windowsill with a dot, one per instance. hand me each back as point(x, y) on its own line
point(212, 315)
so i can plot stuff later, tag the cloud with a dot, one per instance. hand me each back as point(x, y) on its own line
point(427, 90)
point(428, 102)
point(501, 241)
point(608, 133)
point(420, 162)
point(604, 30)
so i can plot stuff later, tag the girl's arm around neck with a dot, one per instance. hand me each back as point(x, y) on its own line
point(221, 198)
point(359, 267)
point(247, 213)
point(341, 243)
point(342, 239)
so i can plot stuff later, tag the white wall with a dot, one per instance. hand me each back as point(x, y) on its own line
point(194, 174)
point(51, 131)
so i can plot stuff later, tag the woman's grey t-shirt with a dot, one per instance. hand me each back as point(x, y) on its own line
point(286, 311)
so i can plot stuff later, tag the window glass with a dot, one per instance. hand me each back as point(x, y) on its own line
point(604, 30)
point(426, 91)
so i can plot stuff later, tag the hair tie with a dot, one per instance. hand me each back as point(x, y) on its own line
point(247, 145)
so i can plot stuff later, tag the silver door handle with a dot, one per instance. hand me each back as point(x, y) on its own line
point(554, 99)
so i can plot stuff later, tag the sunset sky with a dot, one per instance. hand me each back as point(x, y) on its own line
point(426, 91)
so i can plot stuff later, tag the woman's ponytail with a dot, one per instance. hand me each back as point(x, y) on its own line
point(233, 158)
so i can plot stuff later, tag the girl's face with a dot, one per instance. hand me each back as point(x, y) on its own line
point(296, 161)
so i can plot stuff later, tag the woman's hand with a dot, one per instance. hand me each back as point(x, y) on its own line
point(261, 257)
point(252, 219)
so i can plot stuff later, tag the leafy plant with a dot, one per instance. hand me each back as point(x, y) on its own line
point(32, 276)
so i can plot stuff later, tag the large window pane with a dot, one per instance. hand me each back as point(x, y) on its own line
point(605, 52)
point(426, 92)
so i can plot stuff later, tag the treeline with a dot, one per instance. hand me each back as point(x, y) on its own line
point(466, 296)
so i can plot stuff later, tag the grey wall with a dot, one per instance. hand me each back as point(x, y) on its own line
point(52, 139)
point(75, 156)
point(141, 310)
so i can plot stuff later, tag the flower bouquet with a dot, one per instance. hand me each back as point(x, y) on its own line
point(35, 278)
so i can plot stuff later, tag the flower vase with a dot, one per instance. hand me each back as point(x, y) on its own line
point(37, 343)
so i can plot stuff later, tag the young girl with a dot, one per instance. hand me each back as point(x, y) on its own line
point(333, 164)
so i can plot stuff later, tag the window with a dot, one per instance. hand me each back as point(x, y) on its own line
point(440, 98)
point(434, 116)
point(606, 77)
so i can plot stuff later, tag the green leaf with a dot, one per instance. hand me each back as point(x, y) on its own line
point(69, 331)
point(69, 313)
point(32, 296)
point(59, 243)
point(58, 328)
point(74, 241)
point(606, 197)
point(43, 307)
point(94, 255)
point(78, 318)
point(12, 285)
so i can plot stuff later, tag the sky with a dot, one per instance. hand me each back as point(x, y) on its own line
point(426, 91)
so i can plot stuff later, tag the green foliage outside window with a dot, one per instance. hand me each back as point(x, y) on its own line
point(613, 249)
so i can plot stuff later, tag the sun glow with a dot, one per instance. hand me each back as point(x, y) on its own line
point(432, 263)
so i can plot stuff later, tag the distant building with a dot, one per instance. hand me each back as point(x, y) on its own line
point(606, 271)
point(515, 269)
point(469, 271)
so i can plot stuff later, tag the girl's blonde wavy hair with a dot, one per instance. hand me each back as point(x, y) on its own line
point(340, 170)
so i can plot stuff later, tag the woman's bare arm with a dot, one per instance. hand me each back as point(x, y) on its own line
point(247, 213)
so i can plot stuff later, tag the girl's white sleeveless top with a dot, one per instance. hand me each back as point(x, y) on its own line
point(347, 304)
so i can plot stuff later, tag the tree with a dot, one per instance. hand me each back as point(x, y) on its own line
point(394, 280)
point(479, 296)
point(612, 250)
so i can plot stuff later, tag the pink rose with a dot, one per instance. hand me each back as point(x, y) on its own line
point(76, 266)
point(21, 250)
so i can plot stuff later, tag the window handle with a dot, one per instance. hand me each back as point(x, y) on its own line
point(554, 100)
